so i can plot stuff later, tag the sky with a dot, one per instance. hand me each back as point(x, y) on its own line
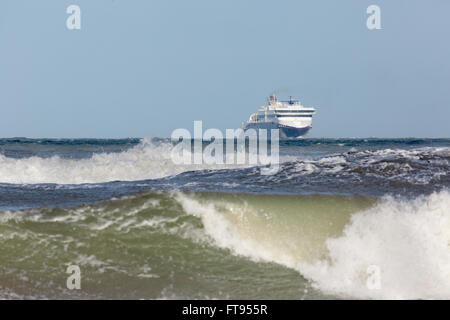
point(145, 68)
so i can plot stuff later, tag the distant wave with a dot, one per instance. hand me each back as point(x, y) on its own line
point(377, 170)
point(146, 160)
point(388, 167)
point(365, 172)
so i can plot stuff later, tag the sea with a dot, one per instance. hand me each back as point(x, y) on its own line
point(340, 219)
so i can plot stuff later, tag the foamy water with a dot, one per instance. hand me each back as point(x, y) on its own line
point(146, 160)
point(409, 241)
point(140, 226)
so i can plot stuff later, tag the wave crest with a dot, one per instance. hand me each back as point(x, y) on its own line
point(147, 160)
point(408, 240)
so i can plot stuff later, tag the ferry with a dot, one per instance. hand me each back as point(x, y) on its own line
point(292, 118)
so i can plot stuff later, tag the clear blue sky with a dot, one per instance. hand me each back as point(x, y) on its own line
point(144, 68)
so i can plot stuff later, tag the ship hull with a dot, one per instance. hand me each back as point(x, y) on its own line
point(286, 132)
point(293, 132)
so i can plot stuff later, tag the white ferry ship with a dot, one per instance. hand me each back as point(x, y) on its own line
point(293, 119)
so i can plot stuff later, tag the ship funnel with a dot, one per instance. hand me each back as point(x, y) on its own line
point(272, 99)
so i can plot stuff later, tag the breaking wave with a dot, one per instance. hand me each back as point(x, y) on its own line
point(147, 160)
point(408, 241)
point(425, 169)
point(162, 244)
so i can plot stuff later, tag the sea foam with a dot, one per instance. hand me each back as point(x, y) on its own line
point(407, 240)
point(409, 243)
point(147, 160)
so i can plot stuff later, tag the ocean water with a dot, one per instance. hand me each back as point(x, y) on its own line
point(141, 227)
